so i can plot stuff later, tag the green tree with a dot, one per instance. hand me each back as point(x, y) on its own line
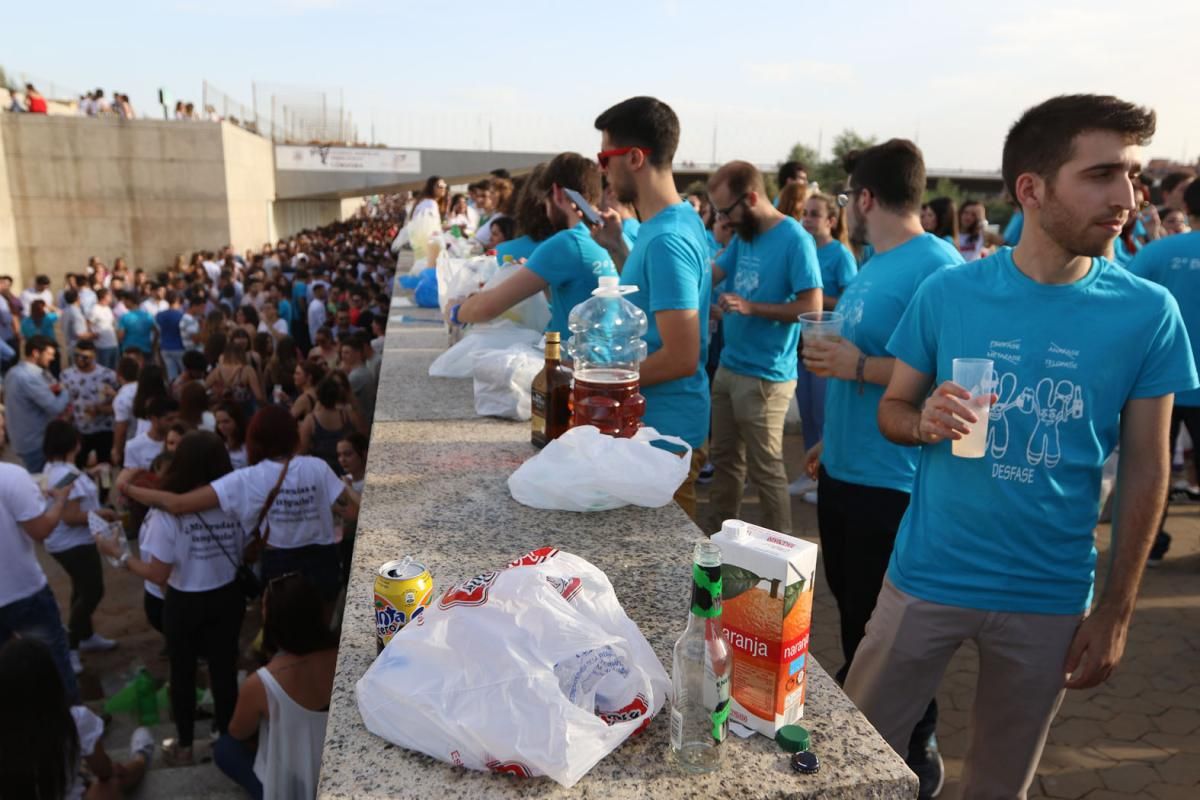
point(848, 140)
point(946, 188)
point(829, 173)
point(804, 154)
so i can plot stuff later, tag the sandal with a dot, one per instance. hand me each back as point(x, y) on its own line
point(175, 756)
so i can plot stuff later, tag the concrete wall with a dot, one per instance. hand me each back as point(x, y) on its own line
point(10, 263)
point(293, 216)
point(145, 190)
point(249, 187)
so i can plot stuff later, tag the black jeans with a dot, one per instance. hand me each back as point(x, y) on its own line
point(858, 527)
point(101, 442)
point(208, 624)
point(1180, 416)
point(153, 606)
point(320, 563)
point(87, 587)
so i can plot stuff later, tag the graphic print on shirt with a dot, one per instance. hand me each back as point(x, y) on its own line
point(1051, 403)
point(746, 281)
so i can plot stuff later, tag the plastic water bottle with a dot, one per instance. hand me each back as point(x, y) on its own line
point(607, 348)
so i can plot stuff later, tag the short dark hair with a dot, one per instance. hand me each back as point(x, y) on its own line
point(35, 343)
point(505, 225)
point(893, 171)
point(127, 369)
point(1173, 179)
point(296, 620)
point(70, 296)
point(194, 360)
point(501, 172)
point(1191, 198)
point(42, 279)
point(329, 393)
point(272, 433)
point(573, 171)
point(643, 122)
point(358, 441)
point(85, 344)
point(161, 407)
point(1043, 139)
point(739, 177)
point(789, 170)
point(59, 440)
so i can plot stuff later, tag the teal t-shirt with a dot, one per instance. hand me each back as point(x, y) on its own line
point(521, 247)
point(629, 229)
point(669, 265)
point(572, 263)
point(838, 267)
point(1013, 531)
point(1174, 262)
point(1012, 231)
point(855, 450)
point(773, 267)
point(137, 325)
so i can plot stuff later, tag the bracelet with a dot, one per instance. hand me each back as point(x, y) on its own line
point(859, 371)
point(454, 314)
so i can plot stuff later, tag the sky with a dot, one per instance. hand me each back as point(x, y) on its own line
point(747, 79)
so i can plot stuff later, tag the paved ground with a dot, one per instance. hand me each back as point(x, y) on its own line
point(1137, 736)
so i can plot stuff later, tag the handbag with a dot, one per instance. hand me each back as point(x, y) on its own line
point(247, 582)
point(258, 541)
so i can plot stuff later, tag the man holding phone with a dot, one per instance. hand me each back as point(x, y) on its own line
point(669, 265)
point(569, 263)
point(33, 401)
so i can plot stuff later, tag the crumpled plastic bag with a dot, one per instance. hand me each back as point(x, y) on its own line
point(459, 277)
point(533, 312)
point(504, 381)
point(459, 360)
point(586, 470)
point(532, 669)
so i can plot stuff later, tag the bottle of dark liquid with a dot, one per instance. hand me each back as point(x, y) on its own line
point(551, 400)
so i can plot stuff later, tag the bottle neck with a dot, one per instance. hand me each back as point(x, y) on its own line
point(706, 592)
point(553, 352)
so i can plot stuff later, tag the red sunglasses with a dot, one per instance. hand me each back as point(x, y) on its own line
point(605, 155)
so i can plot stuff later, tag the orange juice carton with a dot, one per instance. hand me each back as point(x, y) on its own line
point(767, 592)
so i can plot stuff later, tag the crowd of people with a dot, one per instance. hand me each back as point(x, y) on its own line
point(216, 412)
point(225, 401)
point(925, 546)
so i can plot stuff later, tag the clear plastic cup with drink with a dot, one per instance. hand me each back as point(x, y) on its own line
point(976, 376)
point(823, 325)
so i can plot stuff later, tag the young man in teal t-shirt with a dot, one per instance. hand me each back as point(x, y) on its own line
point(772, 276)
point(864, 481)
point(1000, 549)
point(1174, 262)
point(669, 265)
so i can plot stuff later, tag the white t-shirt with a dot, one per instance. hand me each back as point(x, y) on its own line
point(195, 551)
point(123, 403)
point(238, 458)
point(65, 536)
point(302, 513)
point(90, 728)
point(20, 501)
point(316, 316)
point(152, 306)
point(140, 451)
point(144, 534)
point(280, 326)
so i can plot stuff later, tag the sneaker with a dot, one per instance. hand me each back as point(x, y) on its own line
point(931, 772)
point(76, 664)
point(1162, 543)
point(95, 643)
point(801, 485)
point(811, 497)
point(706, 474)
point(176, 756)
point(142, 743)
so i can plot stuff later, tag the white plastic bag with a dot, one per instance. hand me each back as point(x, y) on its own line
point(586, 470)
point(459, 360)
point(533, 669)
point(459, 277)
point(504, 379)
point(533, 312)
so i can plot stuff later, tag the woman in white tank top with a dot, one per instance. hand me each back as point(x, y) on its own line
point(286, 703)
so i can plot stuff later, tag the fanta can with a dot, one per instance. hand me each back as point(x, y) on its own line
point(402, 591)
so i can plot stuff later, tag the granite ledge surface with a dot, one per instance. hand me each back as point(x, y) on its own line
point(436, 489)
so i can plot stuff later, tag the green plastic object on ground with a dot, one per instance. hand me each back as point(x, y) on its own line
point(138, 697)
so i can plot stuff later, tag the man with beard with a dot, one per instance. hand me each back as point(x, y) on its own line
point(772, 277)
point(972, 222)
point(570, 263)
point(669, 265)
point(864, 480)
point(1000, 549)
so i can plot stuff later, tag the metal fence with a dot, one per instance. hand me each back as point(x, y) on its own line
point(286, 114)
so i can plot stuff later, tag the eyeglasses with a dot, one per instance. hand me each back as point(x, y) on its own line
point(725, 212)
point(604, 155)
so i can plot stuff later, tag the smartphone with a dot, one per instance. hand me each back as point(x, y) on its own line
point(66, 480)
point(590, 215)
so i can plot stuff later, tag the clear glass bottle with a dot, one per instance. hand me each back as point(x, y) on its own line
point(701, 669)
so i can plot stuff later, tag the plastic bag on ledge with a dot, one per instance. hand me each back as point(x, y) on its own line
point(586, 470)
point(504, 381)
point(459, 360)
point(458, 277)
point(532, 312)
point(532, 669)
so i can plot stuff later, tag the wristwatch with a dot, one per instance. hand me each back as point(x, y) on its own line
point(859, 370)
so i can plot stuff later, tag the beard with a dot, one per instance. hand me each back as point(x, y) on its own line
point(746, 228)
point(1070, 231)
point(857, 232)
point(625, 192)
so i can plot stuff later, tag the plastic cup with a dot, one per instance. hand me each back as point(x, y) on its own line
point(825, 325)
point(974, 375)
